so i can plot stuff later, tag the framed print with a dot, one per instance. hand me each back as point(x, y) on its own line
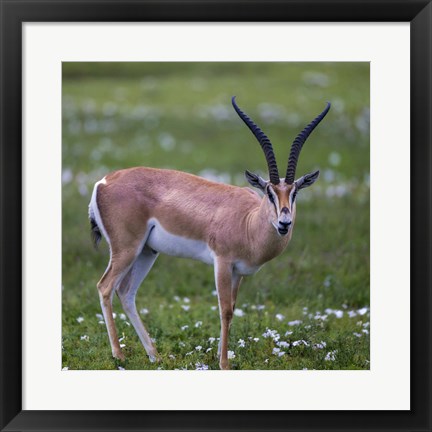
point(336, 333)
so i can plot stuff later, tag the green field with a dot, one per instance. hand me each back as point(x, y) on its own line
point(309, 307)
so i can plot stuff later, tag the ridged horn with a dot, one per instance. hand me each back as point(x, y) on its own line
point(298, 144)
point(264, 142)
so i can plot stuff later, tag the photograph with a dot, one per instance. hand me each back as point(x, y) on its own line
point(202, 222)
point(215, 215)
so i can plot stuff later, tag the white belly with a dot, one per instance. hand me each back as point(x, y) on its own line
point(162, 241)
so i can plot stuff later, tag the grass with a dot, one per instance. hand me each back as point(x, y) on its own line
point(178, 115)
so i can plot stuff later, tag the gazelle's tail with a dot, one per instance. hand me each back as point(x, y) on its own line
point(95, 232)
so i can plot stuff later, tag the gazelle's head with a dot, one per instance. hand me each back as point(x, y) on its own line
point(280, 193)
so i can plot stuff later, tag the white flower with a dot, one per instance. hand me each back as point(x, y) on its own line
point(294, 323)
point(85, 338)
point(271, 334)
point(321, 345)
point(208, 349)
point(122, 316)
point(260, 307)
point(189, 353)
point(231, 354)
point(283, 344)
point(331, 356)
point(198, 324)
point(101, 322)
point(186, 300)
point(121, 339)
point(362, 311)
point(114, 315)
point(122, 345)
point(281, 353)
point(279, 317)
point(365, 331)
point(99, 317)
point(276, 351)
point(214, 293)
point(213, 308)
point(338, 313)
point(127, 323)
point(176, 298)
point(357, 334)
point(366, 324)
point(121, 368)
point(256, 339)
point(80, 319)
point(184, 327)
point(239, 313)
point(334, 158)
point(172, 356)
point(288, 333)
point(144, 311)
point(211, 339)
point(352, 314)
point(182, 344)
point(300, 342)
point(185, 307)
point(241, 343)
point(201, 366)
point(198, 348)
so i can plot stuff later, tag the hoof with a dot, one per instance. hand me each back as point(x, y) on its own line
point(119, 356)
point(154, 358)
point(224, 365)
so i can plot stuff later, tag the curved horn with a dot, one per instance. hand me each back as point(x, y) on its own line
point(264, 142)
point(298, 144)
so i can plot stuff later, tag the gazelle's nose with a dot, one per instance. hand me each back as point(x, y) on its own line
point(284, 227)
point(284, 224)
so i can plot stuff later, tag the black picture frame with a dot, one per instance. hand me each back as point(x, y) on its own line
point(15, 12)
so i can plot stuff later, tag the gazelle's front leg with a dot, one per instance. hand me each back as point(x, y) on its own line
point(223, 279)
point(235, 285)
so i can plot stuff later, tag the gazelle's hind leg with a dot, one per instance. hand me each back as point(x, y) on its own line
point(120, 264)
point(126, 292)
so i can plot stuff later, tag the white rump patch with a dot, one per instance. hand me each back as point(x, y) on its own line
point(94, 210)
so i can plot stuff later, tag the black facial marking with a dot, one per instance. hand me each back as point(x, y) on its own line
point(270, 195)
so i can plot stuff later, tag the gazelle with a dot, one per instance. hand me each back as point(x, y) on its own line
point(142, 212)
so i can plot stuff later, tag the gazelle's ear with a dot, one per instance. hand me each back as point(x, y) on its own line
point(307, 180)
point(255, 180)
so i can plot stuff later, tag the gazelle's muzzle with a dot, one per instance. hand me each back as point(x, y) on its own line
point(284, 221)
point(283, 227)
